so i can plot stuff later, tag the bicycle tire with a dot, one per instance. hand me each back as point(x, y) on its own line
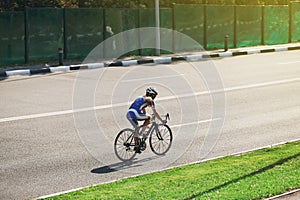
point(160, 141)
point(124, 145)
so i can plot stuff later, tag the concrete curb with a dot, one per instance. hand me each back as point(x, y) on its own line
point(157, 60)
point(285, 194)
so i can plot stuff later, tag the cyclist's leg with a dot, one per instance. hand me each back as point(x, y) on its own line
point(146, 122)
point(132, 119)
point(138, 116)
point(134, 122)
point(143, 117)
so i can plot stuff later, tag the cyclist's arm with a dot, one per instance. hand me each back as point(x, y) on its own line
point(152, 106)
point(156, 114)
point(149, 100)
point(144, 110)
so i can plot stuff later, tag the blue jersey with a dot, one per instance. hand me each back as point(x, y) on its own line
point(136, 110)
point(139, 104)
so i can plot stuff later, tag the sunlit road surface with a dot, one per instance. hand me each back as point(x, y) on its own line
point(49, 141)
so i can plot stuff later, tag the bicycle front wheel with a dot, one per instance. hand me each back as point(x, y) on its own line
point(124, 145)
point(161, 139)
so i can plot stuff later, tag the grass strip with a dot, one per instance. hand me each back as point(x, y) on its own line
point(255, 175)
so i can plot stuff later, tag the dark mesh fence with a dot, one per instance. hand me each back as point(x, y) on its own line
point(220, 23)
point(248, 20)
point(117, 21)
point(83, 31)
point(166, 21)
point(12, 49)
point(189, 21)
point(45, 33)
point(147, 19)
point(37, 33)
point(276, 27)
point(131, 21)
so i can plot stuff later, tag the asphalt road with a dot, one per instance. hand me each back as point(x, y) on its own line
point(57, 130)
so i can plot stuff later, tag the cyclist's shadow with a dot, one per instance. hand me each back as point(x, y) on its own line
point(123, 165)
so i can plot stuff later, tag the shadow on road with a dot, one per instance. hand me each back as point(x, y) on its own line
point(271, 166)
point(122, 165)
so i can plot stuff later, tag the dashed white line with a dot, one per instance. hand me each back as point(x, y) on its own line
point(151, 78)
point(230, 89)
point(287, 63)
point(194, 123)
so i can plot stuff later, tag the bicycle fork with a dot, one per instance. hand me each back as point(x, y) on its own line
point(158, 134)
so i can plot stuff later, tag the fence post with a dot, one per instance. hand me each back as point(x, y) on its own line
point(173, 27)
point(263, 25)
point(157, 28)
point(26, 37)
point(235, 27)
point(104, 33)
point(290, 22)
point(60, 56)
point(65, 34)
point(226, 43)
point(205, 27)
point(139, 32)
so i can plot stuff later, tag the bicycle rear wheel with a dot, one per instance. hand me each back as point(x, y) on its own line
point(161, 140)
point(124, 145)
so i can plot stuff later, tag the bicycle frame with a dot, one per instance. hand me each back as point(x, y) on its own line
point(154, 126)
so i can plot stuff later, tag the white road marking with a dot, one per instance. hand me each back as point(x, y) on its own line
point(194, 123)
point(287, 63)
point(24, 117)
point(151, 78)
point(230, 89)
point(262, 84)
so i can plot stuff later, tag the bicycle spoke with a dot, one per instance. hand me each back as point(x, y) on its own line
point(124, 144)
point(161, 140)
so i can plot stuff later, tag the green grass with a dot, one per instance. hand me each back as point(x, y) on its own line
point(254, 175)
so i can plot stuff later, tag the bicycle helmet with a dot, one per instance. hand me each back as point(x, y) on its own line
point(151, 91)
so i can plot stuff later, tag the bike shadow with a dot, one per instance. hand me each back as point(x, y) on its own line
point(123, 165)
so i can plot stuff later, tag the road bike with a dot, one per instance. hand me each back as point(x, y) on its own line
point(160, 140)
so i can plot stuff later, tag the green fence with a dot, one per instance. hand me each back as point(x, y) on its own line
point(276, 27)
point(147, 19)
point(44, 33)
point(83, 30)
point(220, 23)
point(37, 33)
point(248, 20)
point(12, 48)
point(189, 20)
point(117, 21)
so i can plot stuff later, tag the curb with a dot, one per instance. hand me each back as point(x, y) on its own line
point(284, 194)
point(157, 60)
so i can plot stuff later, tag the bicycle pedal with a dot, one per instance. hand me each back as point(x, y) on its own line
point(137, 149)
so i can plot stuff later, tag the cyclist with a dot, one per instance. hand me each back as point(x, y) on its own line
point(137, 112)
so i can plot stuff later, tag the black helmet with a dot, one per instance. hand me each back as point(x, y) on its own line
point(150, 91)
